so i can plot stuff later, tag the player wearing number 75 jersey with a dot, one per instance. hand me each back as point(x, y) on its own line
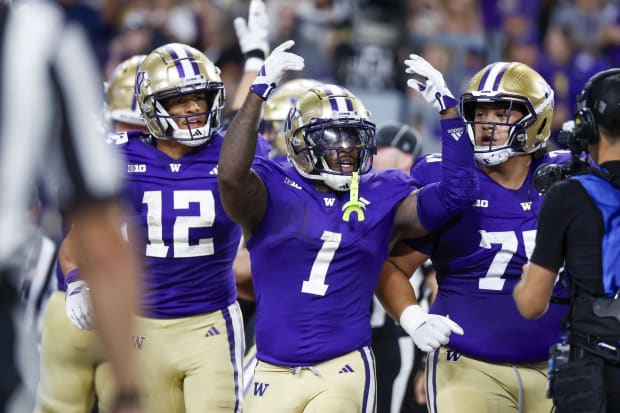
point(318, 230)
point(499, 364)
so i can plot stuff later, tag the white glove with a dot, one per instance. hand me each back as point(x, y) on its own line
point(78, 305)
point(428, 331)
point(254, 35)
point(278, 62)
point(429, 82)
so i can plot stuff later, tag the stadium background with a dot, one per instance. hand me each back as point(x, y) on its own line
point(361, 44)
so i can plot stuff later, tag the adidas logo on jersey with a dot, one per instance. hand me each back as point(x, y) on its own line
point(175, 167)
point(213, 331)
point(456, 133)
point(292, 183)
point(213, 171)
point(133, 168)
point(346, 369)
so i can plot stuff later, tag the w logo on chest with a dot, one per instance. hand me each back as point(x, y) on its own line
point(175, 167)
point(527, 206)
point(329, 202)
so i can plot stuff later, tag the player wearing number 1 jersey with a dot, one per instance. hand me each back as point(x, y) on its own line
point(318, 230)
point(499, 364)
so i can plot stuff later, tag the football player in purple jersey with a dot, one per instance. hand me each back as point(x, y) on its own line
point(190, 334)
point(499, 364)
point(72, 364)
point(319, 229)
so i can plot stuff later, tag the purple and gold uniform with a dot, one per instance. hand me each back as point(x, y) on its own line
point(180, 221)
point(190, 334)
point(72, 369)
point(316, 274)
point(479, 260)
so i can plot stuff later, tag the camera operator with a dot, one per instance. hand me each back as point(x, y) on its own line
point(579, 228)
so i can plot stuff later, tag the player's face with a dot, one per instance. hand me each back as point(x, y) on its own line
point(493, 121)
point(346, 142)
point(183, 106)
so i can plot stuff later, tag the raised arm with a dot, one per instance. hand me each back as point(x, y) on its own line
point(244, 195)
point(253, 37)
point(436, 204)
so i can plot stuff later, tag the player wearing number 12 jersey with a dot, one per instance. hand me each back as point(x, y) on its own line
point(189, 335)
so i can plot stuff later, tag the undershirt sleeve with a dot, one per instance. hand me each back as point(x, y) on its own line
point(560, 206)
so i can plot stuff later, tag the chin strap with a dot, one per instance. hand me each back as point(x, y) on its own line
point(354, 205)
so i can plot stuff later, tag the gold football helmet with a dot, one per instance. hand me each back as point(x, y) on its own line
point(328, 121)
point(521, 88)
point(172, 70)
point(276, 108)
point(121, 105)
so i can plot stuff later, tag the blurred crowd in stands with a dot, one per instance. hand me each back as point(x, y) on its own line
point(361, 44)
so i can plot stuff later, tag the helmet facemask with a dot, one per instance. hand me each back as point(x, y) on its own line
point(329, 136)
point(519, 116)
point(191, 135)
point(331, 151)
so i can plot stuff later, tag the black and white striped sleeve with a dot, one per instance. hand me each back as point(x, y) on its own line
point(51, 97)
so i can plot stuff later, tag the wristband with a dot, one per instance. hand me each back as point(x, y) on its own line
point(72, 276)
point(258, 53)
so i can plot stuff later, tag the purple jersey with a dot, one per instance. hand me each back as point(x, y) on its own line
point(188, 242)
point(479, 260)
point(314, 274)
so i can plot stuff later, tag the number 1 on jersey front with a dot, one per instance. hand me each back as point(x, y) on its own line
point(316, 283)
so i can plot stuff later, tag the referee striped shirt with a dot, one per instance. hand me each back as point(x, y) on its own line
point(50, 101)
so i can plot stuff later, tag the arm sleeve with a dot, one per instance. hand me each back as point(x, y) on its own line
point(556, 212)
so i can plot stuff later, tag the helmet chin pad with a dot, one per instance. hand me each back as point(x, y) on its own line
point(339, 183)
point(491, 158)
point(189, 137)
